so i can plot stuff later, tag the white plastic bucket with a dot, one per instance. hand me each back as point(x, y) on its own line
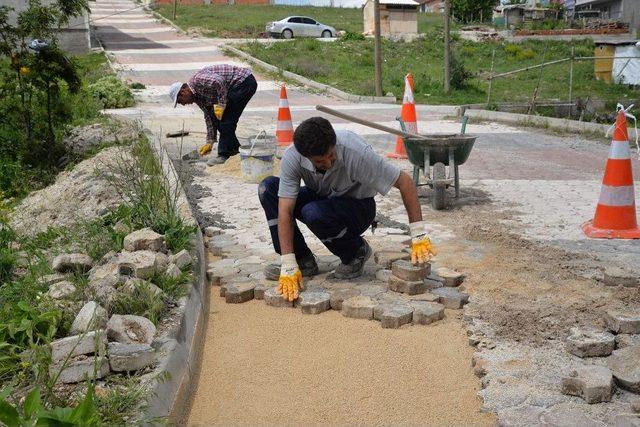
point(256, 160)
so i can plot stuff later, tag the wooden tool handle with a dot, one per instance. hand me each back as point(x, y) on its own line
point(366, 122)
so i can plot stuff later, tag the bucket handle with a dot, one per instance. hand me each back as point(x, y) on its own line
point(261, 133)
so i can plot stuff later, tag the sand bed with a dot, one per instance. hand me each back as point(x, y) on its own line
point(265, 365)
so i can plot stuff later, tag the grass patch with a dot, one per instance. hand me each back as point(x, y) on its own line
point(224, 20)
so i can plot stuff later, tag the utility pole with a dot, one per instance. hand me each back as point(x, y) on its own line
point(175, 7)
point(447, 47)
point(377, 47)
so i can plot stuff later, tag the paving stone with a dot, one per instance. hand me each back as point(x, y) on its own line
point(635, 406)
point(383, 275)
point(623, 322)
point(247, 269)
point(451, 277)
point(274, 299)
point(615, 276)
point(130, 329)
point(391, 297)
point(173, 271)
point(237, 293)
point(338, 296)
point(221, 263)
point(427, 297)
point(61, 290)
point(212, 231)
point(432, 284)
point(130, 357)
point(91, 342)
point(403, 286)
point(451, 297)
point(182, 259)
point(386, 258)
point(215, 275)
point(592, 383)
point(144, 240)
point(392, 316)
point(567, 415)
point(626, 340)
point(625, 420)
point(425, 312)
point(405, 270)
point(372, 291)
point(359, 307)
point(590, 343)
point(520, 416)
point(625, 365)
point(90, 317)
point(252, 259)
point(66, 263)
point(314, 302)
point(142, 264)
point(79, 369)
point(261, 288)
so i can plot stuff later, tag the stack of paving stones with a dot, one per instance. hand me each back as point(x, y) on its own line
point(619, 345)
point(393, 291)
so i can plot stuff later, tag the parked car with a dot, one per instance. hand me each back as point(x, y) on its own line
point(299, 26)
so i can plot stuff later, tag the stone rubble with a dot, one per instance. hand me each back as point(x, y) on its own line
point(130, 357)
point(142, 264)
point(173, 271)
point(88, 343)
point(623, 322)
point(68, 263)
point(90, 317)
point(79, 369)
point(592, 383)
point(590, 343)
point(144, 240)
point(61, 290)
point(182, 259)
point(130, 329)
point(625, 365)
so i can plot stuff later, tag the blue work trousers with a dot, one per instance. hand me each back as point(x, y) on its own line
point(238, 98)
point(337, 221)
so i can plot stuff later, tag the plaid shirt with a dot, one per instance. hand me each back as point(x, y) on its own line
point(211, 86)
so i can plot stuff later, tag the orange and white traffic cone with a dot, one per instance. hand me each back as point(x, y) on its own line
point(284, 127)
point(409, 117)
point(615, 216)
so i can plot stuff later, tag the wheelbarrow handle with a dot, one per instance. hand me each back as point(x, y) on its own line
point(366, 122)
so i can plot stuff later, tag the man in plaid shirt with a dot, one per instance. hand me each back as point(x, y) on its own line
point(222, 92)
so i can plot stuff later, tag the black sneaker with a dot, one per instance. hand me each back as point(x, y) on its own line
point(308, 266)
point(355, 267)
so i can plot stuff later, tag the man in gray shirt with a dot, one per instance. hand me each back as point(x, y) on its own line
point(342, 174)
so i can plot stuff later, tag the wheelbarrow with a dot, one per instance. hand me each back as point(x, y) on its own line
point(426, 151)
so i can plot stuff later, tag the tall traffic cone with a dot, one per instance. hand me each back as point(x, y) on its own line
point(615, 216)
point(409, 118)
point(284, 127)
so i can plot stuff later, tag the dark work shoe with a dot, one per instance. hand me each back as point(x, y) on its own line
point(355, 267)
point(308, 266)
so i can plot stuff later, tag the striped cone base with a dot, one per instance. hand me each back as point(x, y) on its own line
point(284, 126)
point(615, 216)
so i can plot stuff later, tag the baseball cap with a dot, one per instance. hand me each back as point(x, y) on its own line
point(173, 92)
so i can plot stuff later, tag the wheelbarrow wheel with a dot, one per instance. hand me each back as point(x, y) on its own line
point(439, 199)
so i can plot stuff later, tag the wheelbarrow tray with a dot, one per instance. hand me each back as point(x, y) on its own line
point(438, 145)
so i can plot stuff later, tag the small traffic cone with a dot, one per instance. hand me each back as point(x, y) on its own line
point(615, 216)
point(409, 118)
point(284, 127)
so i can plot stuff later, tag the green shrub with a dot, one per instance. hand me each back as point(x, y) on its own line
point(111, 92)
point(141, 301)
point(350, 35)
point(512, 49)
point(459, 73)
point(525, 54)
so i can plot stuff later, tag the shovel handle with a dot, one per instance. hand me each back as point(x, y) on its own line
point(366, 122)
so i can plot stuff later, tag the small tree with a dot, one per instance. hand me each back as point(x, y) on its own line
point(472, 10)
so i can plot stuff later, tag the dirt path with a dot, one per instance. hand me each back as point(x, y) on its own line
point(277, 366)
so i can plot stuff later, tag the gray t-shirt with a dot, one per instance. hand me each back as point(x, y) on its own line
point(358, 171)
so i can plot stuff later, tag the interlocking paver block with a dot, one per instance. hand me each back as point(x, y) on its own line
point(403, 286)
point(451, 297)
point(261, 287)
point(238, 293)
point(314, 302)
point(590, 343)
point(339, 295)
point(623, 322)
point(359, 307)
point(593, 383)
point(392, 316)
point(386, 258)
point(274, 299)
point(451, 277)
point(425, 312)
point(426, 297)
point(625, 365)
point(405, 270)
point(383, 275)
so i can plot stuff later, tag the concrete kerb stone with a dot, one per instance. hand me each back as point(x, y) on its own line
point(307, 82)
point(171, 394)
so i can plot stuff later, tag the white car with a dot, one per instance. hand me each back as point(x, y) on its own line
point(299, 26)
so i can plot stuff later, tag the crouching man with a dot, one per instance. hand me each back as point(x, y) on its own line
point(342, 174)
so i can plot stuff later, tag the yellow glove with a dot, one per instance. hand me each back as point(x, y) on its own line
point(218, 111)
point(421, 247)
point(290, 282)
point(206, 149)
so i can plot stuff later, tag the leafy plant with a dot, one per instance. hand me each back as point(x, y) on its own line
point(141, 301)
point(28, 326)
point(111, 92)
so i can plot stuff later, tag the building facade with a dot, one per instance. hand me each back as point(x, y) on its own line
point(621, 10)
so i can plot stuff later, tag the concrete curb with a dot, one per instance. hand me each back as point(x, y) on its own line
point(561, 125)
point(180, 349)
point(311, 83)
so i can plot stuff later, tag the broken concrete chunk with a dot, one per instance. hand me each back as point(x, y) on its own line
point(50, 279)
point(130, 329)
point(405, 270)
point(61, 290)
point(615, 276)
point(90, 317)
point(451, 298)
point(386, 258)
point(625, 365)
point(403, 286)
point(173, 271)
point(144, 240)
point(592, 383)
point(359, 307)
point(142, 264)
point(425, 313)
point(275, 299)
point(451, 277)
point(339, 295)
point(79, 369)
point(314, 302)
point(91, 342)
point(182, 259)
point(237, 293)
point(134, 284)
point(130, 357)
point(623, 322)
point(590, 343)
point(65, 263)
point(395, 315)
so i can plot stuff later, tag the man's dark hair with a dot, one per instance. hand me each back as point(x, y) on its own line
point(314, 137)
